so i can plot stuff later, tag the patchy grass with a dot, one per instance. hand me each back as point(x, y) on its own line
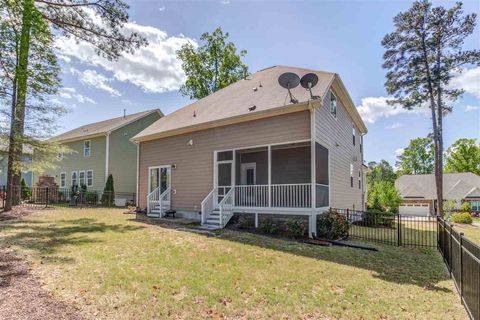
point(114, 267)
point(471, 232)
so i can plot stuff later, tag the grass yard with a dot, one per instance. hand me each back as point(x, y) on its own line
point(471, 232)
point(114, 267)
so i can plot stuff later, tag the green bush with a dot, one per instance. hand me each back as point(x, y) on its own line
point(332, 225)
point(378, 218)
point(108, 196)
point(466, 207)
point(463, 217)
point(91, 197)
point(243, 222)
point(26, 192)
point(269, 226)
point(296, 228)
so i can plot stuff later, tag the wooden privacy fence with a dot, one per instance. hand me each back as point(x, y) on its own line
point(462, 258)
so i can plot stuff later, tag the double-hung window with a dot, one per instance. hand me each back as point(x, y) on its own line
point(81, 178)
point(87, 148)
point(89, 178)
point(351, 175)
point(63, 180)
point(333, 104)
point(74, 178)
point(353, 134)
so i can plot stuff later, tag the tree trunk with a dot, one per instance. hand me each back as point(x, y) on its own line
point(18, 116)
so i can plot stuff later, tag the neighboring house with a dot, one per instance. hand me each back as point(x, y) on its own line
point(247, 149)
point(27, 156)
point(100, 149)
point(419, 191)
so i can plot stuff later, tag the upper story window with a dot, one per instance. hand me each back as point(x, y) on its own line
point(351, 175)
point(87, 148)
point(60, 156)
point(353, 133)
point(333, 104)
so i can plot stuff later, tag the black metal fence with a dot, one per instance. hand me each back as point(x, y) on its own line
point(462, 258)
point(37, 197)
point(393, 229)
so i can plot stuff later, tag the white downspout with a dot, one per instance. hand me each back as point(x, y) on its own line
point(107, 151)
point(313, 216)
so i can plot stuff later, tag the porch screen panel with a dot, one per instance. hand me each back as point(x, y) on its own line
point(322, 173)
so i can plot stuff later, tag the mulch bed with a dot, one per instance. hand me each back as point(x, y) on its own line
point(21, 294)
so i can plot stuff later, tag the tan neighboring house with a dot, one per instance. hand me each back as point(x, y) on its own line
point(100, 149)
point(419, 191)
point(248, 149)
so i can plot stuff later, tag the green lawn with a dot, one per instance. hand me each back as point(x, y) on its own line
point(472, 232)
point(114, 267)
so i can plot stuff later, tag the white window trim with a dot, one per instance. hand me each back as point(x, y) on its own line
point(86, 178)
point(334, 115)
point(64, 185)
point(89, 148)
point(71, 177)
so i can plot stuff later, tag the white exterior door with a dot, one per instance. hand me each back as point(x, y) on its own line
point(159, 177)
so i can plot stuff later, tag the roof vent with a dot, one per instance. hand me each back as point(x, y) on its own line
point(194, 114)
point(252, 108)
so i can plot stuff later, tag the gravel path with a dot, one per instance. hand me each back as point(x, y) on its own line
point(21, 294)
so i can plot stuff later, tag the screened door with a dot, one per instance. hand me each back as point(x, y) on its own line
point(159, 177)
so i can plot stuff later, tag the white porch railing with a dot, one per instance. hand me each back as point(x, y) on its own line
point(158, 203)
point(251, 196)
point(208, 204)
point(276, 195)
point(225, 208)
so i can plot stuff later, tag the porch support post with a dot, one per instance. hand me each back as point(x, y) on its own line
point(256, 220)
point(269, 176)
point(312, 158)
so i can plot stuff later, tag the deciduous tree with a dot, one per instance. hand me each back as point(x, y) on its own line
point(211, 67)
point(463, 156)
point(418, 157)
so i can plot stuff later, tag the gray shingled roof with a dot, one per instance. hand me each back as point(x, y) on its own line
point(456, 186)
point(259, 90)
point(102, 127)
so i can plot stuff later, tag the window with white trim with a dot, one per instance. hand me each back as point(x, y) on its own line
point(333, 104)
point(74, 178)
point(89, 178)
point(351, 175)
point(87, 148)
point(353, 133)
point(63, 180)
point(81, 178)
point(60, 156)
point(475, 205)
point(359, 179)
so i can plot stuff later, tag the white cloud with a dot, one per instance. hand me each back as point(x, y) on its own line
point(468, 80)
point(154, 68)
point(225, 2)
point(94, 79)
point(399, 151)
point(161, 9)
point(71, 93)
point(373, 108)
point(471, 108)
point(395, 125)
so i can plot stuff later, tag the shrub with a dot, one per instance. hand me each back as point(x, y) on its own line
point(26, 192)
point(108, 196)
point(378, 218)
point(91, 197)
point(332, 225)
point(296, 228)
point(466, 207)
point(463, 217)
point(244, 222)
point(269, 226)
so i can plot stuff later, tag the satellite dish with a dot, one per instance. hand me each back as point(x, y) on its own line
point(289, 80)
point(309, 81)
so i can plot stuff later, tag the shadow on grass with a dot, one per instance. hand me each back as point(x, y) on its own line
point(46, 238)
point(422, 267)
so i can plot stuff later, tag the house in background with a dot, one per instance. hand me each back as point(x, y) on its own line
point(27, 156)
point(419, 191)
point(100, 149)
point(249, 148)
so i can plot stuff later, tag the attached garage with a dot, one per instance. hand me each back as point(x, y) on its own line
point(415, 209)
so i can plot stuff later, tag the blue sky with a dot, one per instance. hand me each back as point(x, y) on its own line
point(339, 36)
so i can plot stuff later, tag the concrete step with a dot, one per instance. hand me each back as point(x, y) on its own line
point(210, 226)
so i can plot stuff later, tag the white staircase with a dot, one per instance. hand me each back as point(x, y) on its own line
point(217, 216)
point(158, 203)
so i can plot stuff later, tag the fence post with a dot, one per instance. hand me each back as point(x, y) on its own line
point(399, 230)
point(46, 197)
point(450, 249)
point(461, 266)
point(4, 189)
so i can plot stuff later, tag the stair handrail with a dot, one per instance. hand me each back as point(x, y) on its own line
point(164, 197)
point(207, 201)
point(149, 196)
point(226, 201)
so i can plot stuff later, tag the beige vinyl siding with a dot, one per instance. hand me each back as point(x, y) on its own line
point(123, 154)
point(192, 179)
point(336, 135)
point(77, 162)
